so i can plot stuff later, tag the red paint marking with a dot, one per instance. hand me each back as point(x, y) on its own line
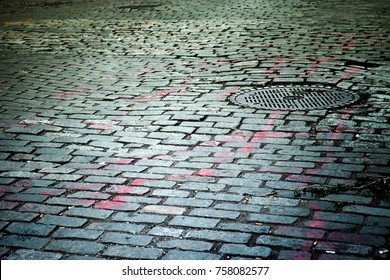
point(223, 157)
point(84, 201)
point(6, 189)
point(91, 187)
point(109, 204)
point(176, 177)
point(316, 224)
point(123, 189)
point(226, 94)
point(46, 193)
point(275, 65)
point(210, 144)
point(140, 182)
point(119, 199)
point(205, 172)
point(239, 136)
point(315, 65)
point(22, 184)
point(123, 161)
point(348, 73)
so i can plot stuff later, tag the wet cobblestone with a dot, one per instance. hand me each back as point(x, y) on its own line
point(118, 139)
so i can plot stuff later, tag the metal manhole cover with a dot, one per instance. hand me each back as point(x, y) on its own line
point(295, 98)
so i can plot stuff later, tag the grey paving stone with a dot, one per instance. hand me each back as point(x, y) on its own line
point(363, 239)
point(75, 247)
point(241, 227)
point(331, 256)
point(367, 210)
point(170, 193)
point(293, 243)
point(231, 237)
point(26, 197)
point(165, 231)
point(300, 232)
point(30, 229)
point(126, 252)
point(89, 213)
point(21, 241)
point(105, 179)
point(9, 215)
point(77, 233)
point(219, 196)
point(53, 158)
point(21, 174)
point(202, 186)
point(3, 251)
point(24, 254)
point(41, 208)
point(288, 211)
point(188, 202)
point(116, 226)
point(62, 221)
point(274, 201)
point(126, 239)
point(374, 230)
point(139, 218)
point(273, 219)
point(320, 224)
point(338, 217)
point(211, 213)
point(294, 255)
point(194, 222)
point(70, 201)
point(239, 207)
point(243, 250)
point(343, 248)
point(180, 244)
point(190, 255)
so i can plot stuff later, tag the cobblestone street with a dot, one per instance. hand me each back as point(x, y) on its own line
point(118, 138)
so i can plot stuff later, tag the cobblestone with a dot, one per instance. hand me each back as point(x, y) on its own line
point(194, 222)
point(242, 250)
point(190, 255)
point(75, 247)
point(24, 254)
point(77, 233)
point(185, 245)
point(28, 242)
point(117, 134)
point(126, 252)
point(231, 237)
point(30, 229)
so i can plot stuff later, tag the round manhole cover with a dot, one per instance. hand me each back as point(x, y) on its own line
point(295, 98)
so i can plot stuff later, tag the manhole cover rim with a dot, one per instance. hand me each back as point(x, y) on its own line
point(292, 97)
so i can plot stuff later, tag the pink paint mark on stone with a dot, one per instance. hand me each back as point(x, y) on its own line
point(98, 195)
point(109, 204)
point(177, 177)
point(140, 182)
point(22, 184)
point(348, 73)
point(316, 64)
point(136, 190)
point(123, 161)
point(205, 172)
point(86, 202)
point(46, 193)
point(85, 187)
point(226, 94)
